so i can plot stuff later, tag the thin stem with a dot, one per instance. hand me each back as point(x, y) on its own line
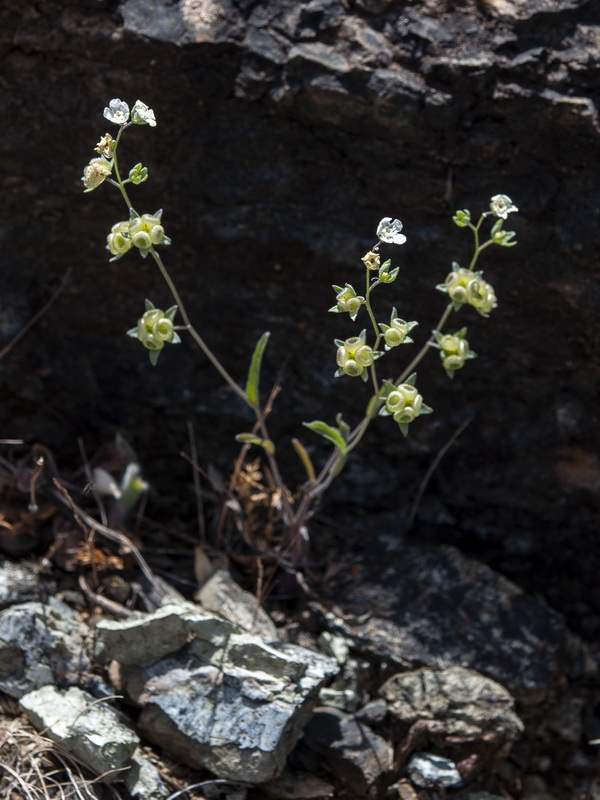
point(194, 333)
point(119, 182)
point(427, 346)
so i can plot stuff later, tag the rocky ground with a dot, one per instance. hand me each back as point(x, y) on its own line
point(397, 670)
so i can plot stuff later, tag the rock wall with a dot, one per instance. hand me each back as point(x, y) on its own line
point(285, 132)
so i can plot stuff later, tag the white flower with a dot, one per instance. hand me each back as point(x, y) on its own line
point(388, 230)
point(142, 115)
point(501, 206)
point(117, 111)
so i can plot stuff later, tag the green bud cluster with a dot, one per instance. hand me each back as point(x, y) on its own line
point(142, 232)
point(155, 329)
point(396, 333)
point(354, 356)
point(403, 402)
point(454, 350)
point(466, 286)
point(347, 300)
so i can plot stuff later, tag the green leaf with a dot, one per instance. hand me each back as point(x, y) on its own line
point(305, 459)
point(251, 438)
point(328, 432)
point(254, 371)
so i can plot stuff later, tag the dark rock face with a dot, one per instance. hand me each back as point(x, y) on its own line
point(285, 132)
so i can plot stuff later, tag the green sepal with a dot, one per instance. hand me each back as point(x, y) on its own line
point(337, 289)
point(404, 427)
point(497, 226)
point(153, 355)
point(365, 376)
point(426, 410)
point(170, 313)
point(389, 277)
point(339, 342)
point(251, 438)
point(412, 379)
point(149, 304)
point(328, 432)
point(176, 338)
point(462, 218)
point(335, 309)
point(343, 427)
point(254, 371)
point(133, 333)
point(158, 214)
point(133, 214)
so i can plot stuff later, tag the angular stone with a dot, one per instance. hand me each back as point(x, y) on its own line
point(440, 609)
point(470, 707)
point(20, 583)
point(433, 771)
point(40, 644)
point(226, 701)
point(91, 731)
point(223, 596)
point(352, 751)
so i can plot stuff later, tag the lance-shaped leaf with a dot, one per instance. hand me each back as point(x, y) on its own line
point(328, 432)
point(251, 438)
point(305, 459)
point(254, 371)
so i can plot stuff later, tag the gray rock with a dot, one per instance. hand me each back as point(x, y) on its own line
point(20, 583)
point(223, 596)
point(351, 750)
point(432, 771)
point(297, 786)
point(91, 731)
point(446, 610)
point(41, 644)
point(226, 701)
point(470, 707)
point(143, 780)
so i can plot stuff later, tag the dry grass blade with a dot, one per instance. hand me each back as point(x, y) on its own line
point(33, 767)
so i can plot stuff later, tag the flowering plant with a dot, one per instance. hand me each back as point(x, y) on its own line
point(356, 356)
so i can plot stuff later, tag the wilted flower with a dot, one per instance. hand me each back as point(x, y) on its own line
point(117, 111)
point(105, 146)
point(371, 260)
point(96, 173)
point(142, 115)
point(501, 206)
point(388, 231)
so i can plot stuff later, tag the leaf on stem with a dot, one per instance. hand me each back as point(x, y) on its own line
point(254, 371)
point(328, 432)
point(251, 438)
point(305, 459)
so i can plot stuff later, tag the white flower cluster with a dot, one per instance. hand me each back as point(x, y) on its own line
point(117, 111)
